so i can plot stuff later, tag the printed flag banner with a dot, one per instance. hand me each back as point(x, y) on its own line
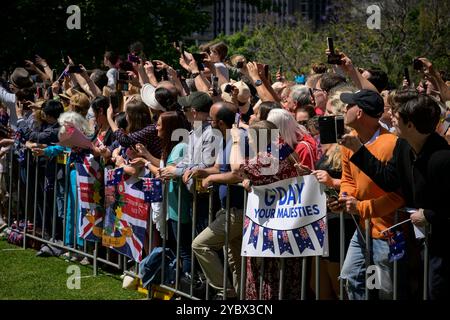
point(127, 202)
point(286, 219)
point(90, 197)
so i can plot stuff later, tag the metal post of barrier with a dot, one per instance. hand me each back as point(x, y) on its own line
point(35, 196)
point(26, 200)
point(243, 259)
point(120, 262)
point(367, 225)
point(210, 218)
point(281, 286)
point(66, 195)
point(426, 263)
point(317, 266)
point(44, 203)
point(94, 263)
point(124, 264)
point(164, 228)
point(227, 239)
point(194, 224)
point(304, 280)
point(395, 272)
point(10, 185)
point(150, 245)
point(54, 203)
point(261, 278)
point(177, 271)
point(341, 253)
point(18, 197)
point(74, 218)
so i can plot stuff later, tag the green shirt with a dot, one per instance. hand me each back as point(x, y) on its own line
point(176, 155)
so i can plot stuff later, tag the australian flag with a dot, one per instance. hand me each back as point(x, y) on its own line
point(113, 176)
point(283, 242)
point(397, 244)
point(246, 223)
point(303, 239)
point(152, 189)
point(254, 234)
point(320, 228)
point(268, 240)
point(284, 151)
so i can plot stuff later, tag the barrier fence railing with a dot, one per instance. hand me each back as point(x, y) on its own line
point(58, 236)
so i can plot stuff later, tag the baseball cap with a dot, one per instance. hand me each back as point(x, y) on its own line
point(370, 101)
point(200, 101)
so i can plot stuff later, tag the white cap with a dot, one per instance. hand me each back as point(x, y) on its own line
point(148, 97)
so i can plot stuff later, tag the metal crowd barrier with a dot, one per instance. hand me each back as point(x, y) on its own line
point(92, 252)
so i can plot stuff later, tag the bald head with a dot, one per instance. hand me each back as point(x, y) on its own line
point(223, 115)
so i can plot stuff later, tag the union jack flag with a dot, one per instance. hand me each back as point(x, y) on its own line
point(126, 217)
point(90, 198)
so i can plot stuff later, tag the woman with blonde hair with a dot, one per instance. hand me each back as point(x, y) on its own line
point(296, 136)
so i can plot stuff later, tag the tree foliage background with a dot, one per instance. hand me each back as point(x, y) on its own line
point(31, 27)
point(409, 28)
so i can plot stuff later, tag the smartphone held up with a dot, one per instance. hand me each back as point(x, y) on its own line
point(331, 129)
point(333, 57)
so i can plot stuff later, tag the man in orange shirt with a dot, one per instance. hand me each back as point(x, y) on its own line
point(361, 196)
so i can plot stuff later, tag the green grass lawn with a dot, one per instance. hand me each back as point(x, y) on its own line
point(23, 276)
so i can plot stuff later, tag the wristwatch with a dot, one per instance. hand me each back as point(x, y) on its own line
point(195, 74)
point(258, 83)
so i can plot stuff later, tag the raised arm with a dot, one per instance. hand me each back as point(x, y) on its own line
point(384, 175)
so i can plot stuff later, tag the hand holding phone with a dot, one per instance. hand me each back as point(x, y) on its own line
point(333, 57)
point(406, 75)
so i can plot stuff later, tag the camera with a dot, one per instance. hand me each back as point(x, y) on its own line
point(215, 85)
point(333, 58)
point(228, 88)
point(133, 58)
point(331, 129)
point(123, 77)
point(417, 64)
point(199, 57)
point(240, 64)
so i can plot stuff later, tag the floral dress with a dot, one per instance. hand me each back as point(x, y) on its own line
point(292, 271)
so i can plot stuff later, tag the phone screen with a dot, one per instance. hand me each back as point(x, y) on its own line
point(331, 129)
point(340, 127)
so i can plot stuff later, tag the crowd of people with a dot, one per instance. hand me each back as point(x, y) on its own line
point(395, 154)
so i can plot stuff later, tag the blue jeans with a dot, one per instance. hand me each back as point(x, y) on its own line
point(185, 243)
point(354, 268)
